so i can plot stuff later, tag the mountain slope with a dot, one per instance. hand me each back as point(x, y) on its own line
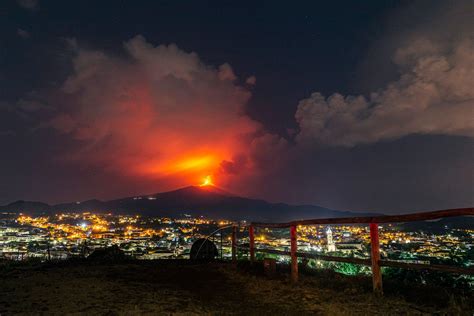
point(26, 206)
point(207, 201)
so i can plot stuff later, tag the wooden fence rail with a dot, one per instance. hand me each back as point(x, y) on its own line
point(374, 219)
point(375, 262)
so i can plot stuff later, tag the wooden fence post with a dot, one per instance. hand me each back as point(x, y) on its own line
point(375, 257)
point(294, 258)
point(234, 244)
point(252, 243)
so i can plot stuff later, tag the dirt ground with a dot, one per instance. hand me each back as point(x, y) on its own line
point(182, 288)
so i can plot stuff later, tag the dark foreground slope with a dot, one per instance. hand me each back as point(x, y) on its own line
point(180, 287)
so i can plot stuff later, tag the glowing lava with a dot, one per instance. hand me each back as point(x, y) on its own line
point(207, 182)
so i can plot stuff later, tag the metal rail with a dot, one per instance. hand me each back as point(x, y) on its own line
point(212, 234)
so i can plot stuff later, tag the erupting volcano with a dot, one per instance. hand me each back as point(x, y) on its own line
point(207, 182)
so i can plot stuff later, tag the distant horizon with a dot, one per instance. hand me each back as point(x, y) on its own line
point(212, 185)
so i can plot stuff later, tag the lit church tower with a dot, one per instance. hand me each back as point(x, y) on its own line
point(331, 245)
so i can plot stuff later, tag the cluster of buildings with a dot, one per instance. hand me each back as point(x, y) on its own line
point(452, 246)
point(67, 235)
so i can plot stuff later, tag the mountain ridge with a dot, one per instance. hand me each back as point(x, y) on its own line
point(209, 201)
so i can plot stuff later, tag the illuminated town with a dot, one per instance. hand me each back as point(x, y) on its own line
point(236, 157)
point(69, 235)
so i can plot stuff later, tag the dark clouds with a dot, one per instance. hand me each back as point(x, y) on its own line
point(151, 116)
point(158, 112)
point(29, 4)
point(22, 33)
point(433, 59)
point(433, 96)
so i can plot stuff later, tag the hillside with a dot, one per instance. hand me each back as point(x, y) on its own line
point(182, 287)
point(207, 201)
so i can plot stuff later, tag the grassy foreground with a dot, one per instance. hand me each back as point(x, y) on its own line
point(184, 288)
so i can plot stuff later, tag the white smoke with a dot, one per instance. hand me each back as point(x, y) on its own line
point(433, 95)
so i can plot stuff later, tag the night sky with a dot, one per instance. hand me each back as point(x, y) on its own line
point(354, 105)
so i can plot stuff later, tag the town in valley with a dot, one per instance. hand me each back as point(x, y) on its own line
point(76, 235)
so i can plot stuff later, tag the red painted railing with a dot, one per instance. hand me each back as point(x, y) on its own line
point(375, 262)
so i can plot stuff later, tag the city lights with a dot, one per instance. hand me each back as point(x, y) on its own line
point(79, 234)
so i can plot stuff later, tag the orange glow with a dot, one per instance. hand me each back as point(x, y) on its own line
point(207, 181)
point(193, 163)
point(197, 163)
